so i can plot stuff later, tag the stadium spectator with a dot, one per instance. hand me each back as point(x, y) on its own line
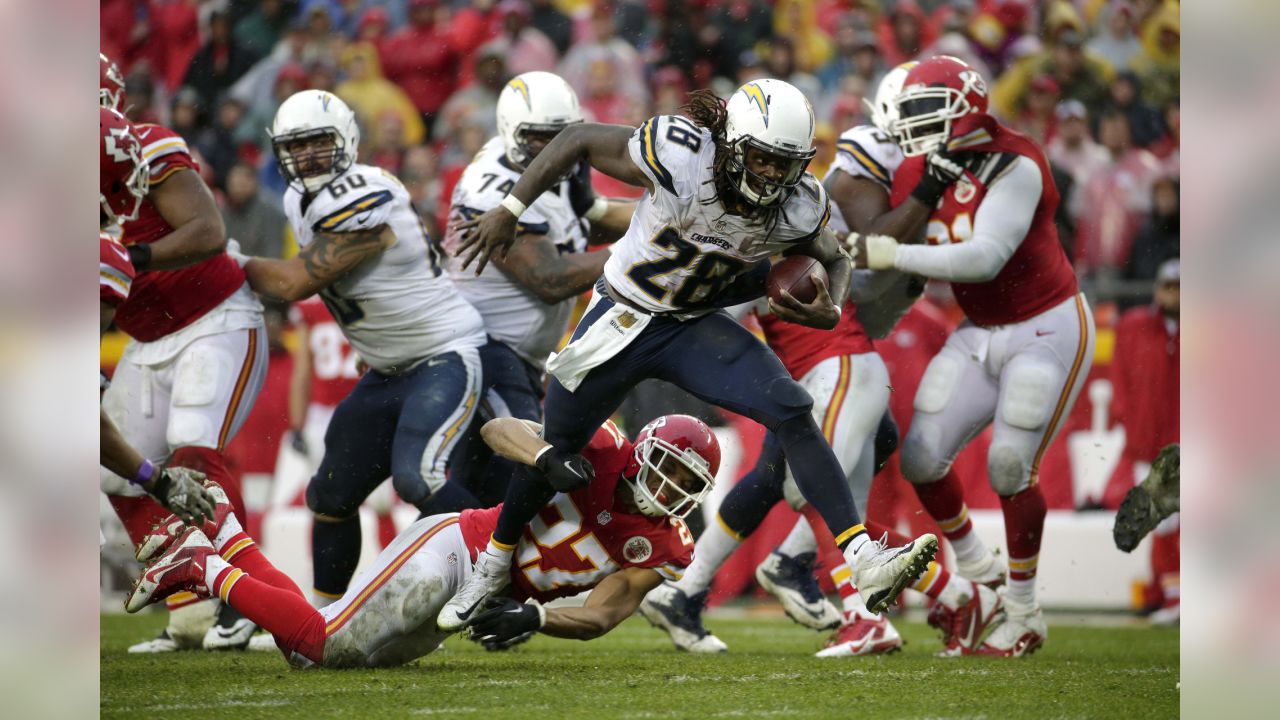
point(217, 142)
point(1160, 63)
point(421, 59)
point(1037, 119)
point(780, 63)
point(290, 79)
point(856, 54)
point(669, 91)
point(219, 62)
point(1081, 75)
point(1074, 150)
point(527, 47)
point(420, 173)
point(1159, 240)
point(257, 223)
point(625, 65)
point(470, 28)
point(374, 25)
point(954, 39)
point(1126, 96)
point(257, 88)
point(260, 30)
point(1167, 147)
point(796, 20)
point(551, 22)
point(185, 115)
point(904, 31)
point(372, 96)
point(477, 103)
point(1115, 199)
point(732, 30)
point(1117, 42)
point(164, 36)
point(997, 34)
point(140, 89)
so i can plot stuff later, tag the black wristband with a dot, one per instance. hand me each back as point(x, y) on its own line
point(160, 485)
point(140, 256)
point(929, 191)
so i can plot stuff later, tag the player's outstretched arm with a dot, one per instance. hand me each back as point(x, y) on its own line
point(615, 599)
point(603, 146)
point(328, 257)
point(186, 204)
point(542, 269)
point(519, 441)
point(864, 205)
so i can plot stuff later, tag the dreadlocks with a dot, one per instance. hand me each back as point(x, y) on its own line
point(707, 110)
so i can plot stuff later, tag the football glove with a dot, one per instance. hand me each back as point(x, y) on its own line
point(565, 471)
point(581, 195)
point(181, 491)
point(503, 623)
point(298, 442)
point(941, 169)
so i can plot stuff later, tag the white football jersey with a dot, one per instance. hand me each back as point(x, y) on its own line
point(399, 307)
point(512, 313)
point(682, 247)
point(864, 151)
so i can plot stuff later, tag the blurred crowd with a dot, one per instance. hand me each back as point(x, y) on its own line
point(1095, 81)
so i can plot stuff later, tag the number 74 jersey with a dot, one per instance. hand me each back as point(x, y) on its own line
point(584, 536)
point(682, 248)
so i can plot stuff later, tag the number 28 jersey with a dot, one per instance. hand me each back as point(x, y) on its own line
point(399, 307)
point(583, 537)
point(682, 247)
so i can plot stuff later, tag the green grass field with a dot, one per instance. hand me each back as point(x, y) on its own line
point(1083, 672)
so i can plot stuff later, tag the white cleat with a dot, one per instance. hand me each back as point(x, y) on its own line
point(990, 570)
point(863, 636)
point(1167, 616)
point(790, 579)
point(490, 575)
point(235, 636)
point(668, 608)
point(263, 642)
point(162, 644)
point(1021, 633)
point(880, 573)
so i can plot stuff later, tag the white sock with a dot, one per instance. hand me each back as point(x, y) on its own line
point(800, 540)
point(1020, 592)
point(860, 545)
point(319, 601)
point(969, 549)
point(213, 565)
point(230, 528)
point(956, 592)
point(715, 545)
point(499, 552)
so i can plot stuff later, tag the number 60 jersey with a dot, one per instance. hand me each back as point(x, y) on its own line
point(583, 537)
point(399, 307)
point(683, 248)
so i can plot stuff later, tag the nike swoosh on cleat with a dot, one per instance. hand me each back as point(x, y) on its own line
point(466, 614)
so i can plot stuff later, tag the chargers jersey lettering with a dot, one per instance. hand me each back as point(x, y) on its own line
point(399, 307)
point(867, 152)
point(512, 313)
point(682, 248)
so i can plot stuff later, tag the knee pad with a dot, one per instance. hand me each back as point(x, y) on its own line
point(1030, 394)
point(322, 500)
point(203, 380)
point(938, 384)
point(1007, 471)
point(920, 460)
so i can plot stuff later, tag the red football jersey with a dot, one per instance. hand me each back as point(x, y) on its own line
point(165, 301)
point(800, 348)
point(333, 362)
point(582, 537)
point(1145, 374)
point(1038, 275)
point(115, 272)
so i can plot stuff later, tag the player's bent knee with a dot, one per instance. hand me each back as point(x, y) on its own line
point(411, 487)
point(323, 501)
point(922, 463)
point(1008, 471)
point(1029, 395)
point(788, 400)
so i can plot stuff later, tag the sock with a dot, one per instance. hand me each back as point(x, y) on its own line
point(850, 601)
point(944, 499)
point(1023, 526)
point(500, 550)
point(335, 552)
point(714, 547)
point(235, 546)
point(750, 500)
point(950, 590)
point(451, 497)
point(297, 626)
point(526, 495)
point(211, 463)
point(822, 481)
point(800, 540)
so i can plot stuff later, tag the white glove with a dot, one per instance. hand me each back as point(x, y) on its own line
point(233, 249)
point(873, 252)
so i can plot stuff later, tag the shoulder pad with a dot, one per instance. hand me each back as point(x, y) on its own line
point(484, 185)
point(668, 148)
point(360, 198)
point(807, 210)
point(865, 151)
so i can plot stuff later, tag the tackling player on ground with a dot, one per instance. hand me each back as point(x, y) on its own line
point(1021, 357)
point(726, 191)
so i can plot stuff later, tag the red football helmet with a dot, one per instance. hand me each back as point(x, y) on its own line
point(122, 177)
point(678, 457)
point(110, 84)
point(935, 93)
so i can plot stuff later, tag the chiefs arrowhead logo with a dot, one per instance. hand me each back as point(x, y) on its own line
point(637, 550)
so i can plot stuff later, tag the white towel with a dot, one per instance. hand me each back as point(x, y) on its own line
point(606, 337)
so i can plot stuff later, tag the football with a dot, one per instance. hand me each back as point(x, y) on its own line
point(793, 275)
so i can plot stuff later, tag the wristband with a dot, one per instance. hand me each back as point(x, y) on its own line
point(514, 206)
point(542, 613)
point(537, 459)
point(146, 473)
point(598, 209)
point(140, 256)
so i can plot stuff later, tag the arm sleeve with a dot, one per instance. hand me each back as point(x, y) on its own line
point(999, 227)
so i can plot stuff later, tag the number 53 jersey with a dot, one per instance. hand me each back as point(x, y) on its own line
point(399, 307)
point(682, 248)
point(585, 536)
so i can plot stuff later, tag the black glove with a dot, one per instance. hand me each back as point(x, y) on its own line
point(504, 623)
point(298, 442)
point(941, 169)
point(139, 256)
point(581, 195)
point(565, 471)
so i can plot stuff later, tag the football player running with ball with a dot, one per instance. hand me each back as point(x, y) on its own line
point(987, 200)
point(365, 251)
point(727, 189)
point(619, 538)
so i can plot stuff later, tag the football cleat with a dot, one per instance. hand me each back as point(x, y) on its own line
point(1022, 632)
point(232, 631)
point(990, 570)
point(1146, 505)
point(668, 608)
point(791, 580)
point(1167, 616)
point(162, 644)
point(167, 530)
point(863, 636)
point(882, 572)
point(963, 628)
point(181, 567)
point(489, 575)
point(263, 642)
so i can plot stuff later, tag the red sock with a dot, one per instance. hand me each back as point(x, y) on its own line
point(830, 555)
point(211, 463)
point(1165, 564)
point(944, 499)
point(386, 529)
point(1023, 525)
point(244, 553)
point(288, 616)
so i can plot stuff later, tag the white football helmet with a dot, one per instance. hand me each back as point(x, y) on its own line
point(537, 102)
point(884, 111)
point(314, 115)
point(775, 118)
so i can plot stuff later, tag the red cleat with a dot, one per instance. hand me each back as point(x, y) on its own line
point(179, 568)
point(167, 530)
point(963, 628)
point(863, 636)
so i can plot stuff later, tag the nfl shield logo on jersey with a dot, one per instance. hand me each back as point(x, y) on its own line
point(637, 549)
point(603, 518)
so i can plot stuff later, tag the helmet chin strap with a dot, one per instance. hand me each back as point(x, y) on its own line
point(643, 504)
